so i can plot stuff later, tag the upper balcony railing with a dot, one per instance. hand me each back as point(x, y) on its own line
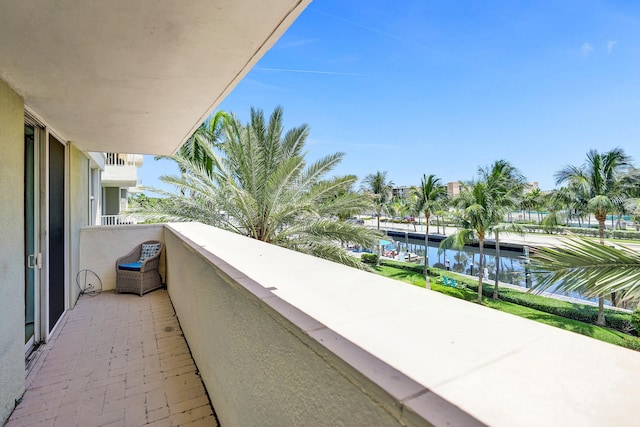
point(120, 159)
point(117, 220)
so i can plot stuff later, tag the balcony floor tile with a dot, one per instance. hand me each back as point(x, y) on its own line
point(116, 360)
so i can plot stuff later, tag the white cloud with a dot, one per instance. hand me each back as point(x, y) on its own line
point(289, 70)
point(610, 46)
point(586, 49)
point(297, 43)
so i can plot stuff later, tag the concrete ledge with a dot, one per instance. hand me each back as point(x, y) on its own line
point(282, 338)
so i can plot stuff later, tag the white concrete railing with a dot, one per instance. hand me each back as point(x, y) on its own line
point(120, 159)
point(281, 338)
point(117, 220)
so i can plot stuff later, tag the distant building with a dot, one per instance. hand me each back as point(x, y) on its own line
point(453, 189)
point(119, 179)
point(400, 192)
point(530, 186)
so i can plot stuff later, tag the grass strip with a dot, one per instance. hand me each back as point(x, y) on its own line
point(598, 332)
point(583, 312)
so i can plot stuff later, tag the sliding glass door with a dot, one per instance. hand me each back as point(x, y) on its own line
point(32, 255)
point(56, 249)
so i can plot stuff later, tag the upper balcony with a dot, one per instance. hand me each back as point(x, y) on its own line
point(121, 170)
point(282, 338)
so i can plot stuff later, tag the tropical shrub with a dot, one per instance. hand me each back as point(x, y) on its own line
point(582, 312)
point(635, 320)
point(370, 258)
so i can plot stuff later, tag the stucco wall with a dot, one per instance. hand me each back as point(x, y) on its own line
point(78, 212)
point(100, 246)
point(11, 249)
point(259, 369)
point(282, 338)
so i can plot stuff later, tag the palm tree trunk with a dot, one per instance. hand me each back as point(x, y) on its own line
point(601, 320)
point(480, 266)
point(495, 286)
point(473, 260)
point(426, 255)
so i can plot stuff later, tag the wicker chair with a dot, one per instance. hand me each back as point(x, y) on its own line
point(137, 276)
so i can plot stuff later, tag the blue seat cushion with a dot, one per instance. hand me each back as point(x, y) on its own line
point(132, 266)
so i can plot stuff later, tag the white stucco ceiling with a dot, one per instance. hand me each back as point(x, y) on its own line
point(133, 76)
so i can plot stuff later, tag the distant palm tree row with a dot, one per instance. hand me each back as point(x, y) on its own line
point(252, 178)
point(606, 184)
point(479, 209)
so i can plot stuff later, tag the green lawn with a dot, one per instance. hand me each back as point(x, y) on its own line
point(603, 334)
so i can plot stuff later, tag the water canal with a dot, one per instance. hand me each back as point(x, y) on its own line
point(513, 259)
point(514, 264)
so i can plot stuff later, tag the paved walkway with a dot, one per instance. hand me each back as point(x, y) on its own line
point(117, 360)
point(527, 239)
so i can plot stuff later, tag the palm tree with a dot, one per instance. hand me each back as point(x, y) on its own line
point(476, 216)
point(357, 204)
point(525, 206)
point(597, 180)
point(533, 199)
point(560, 203)
point(505, 183)
point(429, 198)
point(443, 213)
point(379, 188)
point(398, 206)
point(261, 186)
point(208, 134)
point(630, 183)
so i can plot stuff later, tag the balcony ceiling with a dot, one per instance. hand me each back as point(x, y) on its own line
point(133, 76)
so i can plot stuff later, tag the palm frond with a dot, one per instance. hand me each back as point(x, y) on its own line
point(589, 267)
point(256, 182)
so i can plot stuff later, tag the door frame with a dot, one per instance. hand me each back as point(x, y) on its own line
point(38, 231)
point(43, 331)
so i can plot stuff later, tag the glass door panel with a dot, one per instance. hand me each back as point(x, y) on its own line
point(30, 234)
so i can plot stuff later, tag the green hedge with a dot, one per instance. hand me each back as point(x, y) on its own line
point(402, 265)
point(581, 312)
point(635, 320)
point(369, 258)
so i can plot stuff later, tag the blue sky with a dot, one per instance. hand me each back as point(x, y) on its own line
point(419, 87)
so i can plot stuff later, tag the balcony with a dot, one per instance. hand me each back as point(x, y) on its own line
point(281, 338)
point(121, 170)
